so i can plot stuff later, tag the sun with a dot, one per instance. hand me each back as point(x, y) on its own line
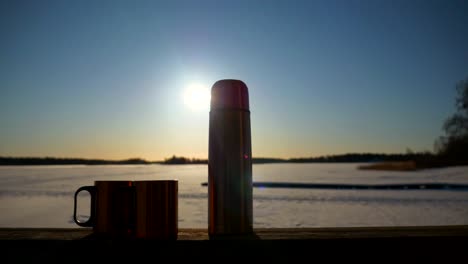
point(197, 97)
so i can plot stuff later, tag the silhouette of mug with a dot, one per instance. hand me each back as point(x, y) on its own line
point(156, 209)
point(141, 209)
point(112, 208)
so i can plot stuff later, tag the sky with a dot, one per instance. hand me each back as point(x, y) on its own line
point(115, 79)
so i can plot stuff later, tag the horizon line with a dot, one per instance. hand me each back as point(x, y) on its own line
point(194, 158)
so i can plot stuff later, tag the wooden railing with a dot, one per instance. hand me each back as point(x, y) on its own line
point(78, 245)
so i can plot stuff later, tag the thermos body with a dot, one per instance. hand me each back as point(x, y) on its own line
point(230, 209)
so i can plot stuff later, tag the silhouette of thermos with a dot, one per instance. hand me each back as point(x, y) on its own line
point(229, 160)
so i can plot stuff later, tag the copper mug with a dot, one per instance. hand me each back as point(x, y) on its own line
point(112, 208)
point(156, 209)
point(138, 209)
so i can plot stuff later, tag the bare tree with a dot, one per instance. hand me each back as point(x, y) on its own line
point(454, 143)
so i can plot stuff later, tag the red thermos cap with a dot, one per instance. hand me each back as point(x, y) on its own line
point(229, 94)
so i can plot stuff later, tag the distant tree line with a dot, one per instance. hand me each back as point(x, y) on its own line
point(174, 160)
point(365, 157)
point(350, 157)
point(66, 161)
point(183, 160)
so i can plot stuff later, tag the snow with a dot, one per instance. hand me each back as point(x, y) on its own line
point(42, 196)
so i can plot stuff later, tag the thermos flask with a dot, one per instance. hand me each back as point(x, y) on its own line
point(229, 160)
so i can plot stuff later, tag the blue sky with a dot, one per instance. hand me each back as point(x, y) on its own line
point(106, 79)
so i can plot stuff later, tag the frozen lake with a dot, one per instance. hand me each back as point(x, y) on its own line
point(42, 196)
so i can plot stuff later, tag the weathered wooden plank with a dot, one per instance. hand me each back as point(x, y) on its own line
point(261, 233)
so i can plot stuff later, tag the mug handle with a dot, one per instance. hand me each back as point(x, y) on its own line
point(92, 192)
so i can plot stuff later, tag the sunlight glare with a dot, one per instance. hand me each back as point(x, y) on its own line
point(197, 97)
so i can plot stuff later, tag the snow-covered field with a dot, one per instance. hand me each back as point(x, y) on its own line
point(42, 196)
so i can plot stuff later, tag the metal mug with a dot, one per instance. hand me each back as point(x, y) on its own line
point(112, 208)
point(139, 209)
point(156, 209)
